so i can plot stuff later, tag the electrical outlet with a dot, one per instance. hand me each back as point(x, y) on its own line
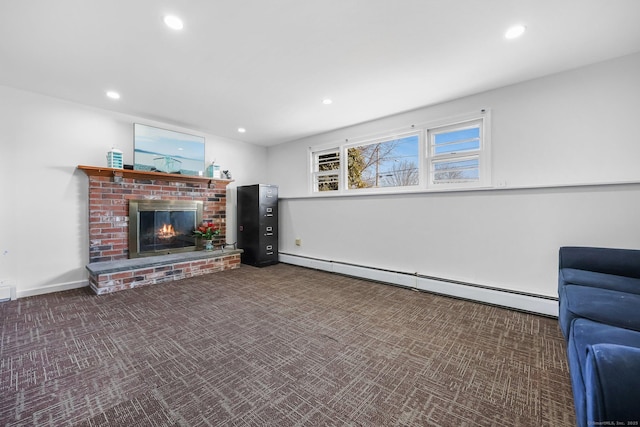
point(298, 241)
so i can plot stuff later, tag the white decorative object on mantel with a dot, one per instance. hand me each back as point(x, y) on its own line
point(114, 159)
point(213, 171)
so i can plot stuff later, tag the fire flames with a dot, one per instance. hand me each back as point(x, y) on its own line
point(166, 232)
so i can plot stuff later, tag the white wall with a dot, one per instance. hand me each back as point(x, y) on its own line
point(547, 135)
point(43, 219)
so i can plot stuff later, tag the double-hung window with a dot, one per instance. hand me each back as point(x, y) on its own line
point(456, 154)
point(326, 170)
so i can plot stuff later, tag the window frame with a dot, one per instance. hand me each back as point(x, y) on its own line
point(380, 140)
point(481, 153)
point(426, 159)
point(316, 173)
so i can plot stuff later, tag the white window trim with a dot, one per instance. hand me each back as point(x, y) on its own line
point(425, 161)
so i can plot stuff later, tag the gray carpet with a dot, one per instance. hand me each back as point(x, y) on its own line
point(278, 346)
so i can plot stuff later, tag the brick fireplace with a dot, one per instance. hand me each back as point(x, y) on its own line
point(110, 191)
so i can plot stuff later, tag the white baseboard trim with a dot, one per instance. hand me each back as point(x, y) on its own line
point(22, 293)
point(538, 304)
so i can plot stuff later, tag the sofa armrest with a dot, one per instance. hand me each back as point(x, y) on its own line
point(612, 373)
point(619, 262)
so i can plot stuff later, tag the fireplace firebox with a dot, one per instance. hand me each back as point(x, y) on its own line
point(159, 227)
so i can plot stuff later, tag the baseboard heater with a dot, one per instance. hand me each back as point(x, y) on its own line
point(522, 301)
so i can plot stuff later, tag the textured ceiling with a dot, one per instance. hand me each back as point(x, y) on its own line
point(267, 65)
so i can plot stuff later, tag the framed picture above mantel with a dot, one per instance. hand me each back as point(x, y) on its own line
point(167, 151)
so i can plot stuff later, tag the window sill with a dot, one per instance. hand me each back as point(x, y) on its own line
point(459, 190)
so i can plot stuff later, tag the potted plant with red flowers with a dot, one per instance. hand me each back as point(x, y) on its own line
point(206, 232)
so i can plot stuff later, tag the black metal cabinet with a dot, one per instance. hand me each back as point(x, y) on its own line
point(257, 216)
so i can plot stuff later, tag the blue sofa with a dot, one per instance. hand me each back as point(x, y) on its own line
point(599, 315)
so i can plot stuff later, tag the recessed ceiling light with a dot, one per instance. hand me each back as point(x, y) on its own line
point(327, 101)
point(242, 130)
point(113, 94)
point(173, 22)
point(515, 31)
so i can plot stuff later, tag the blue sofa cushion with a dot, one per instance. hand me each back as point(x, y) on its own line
point(585, 333)
point(619, 262)
point(614, 308)
point(572, 276)
point(611, 376)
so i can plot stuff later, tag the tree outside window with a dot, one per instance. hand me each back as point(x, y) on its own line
point(387, 163)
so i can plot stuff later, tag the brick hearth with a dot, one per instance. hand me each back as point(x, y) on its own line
point(111, 276)
point(109, 193)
